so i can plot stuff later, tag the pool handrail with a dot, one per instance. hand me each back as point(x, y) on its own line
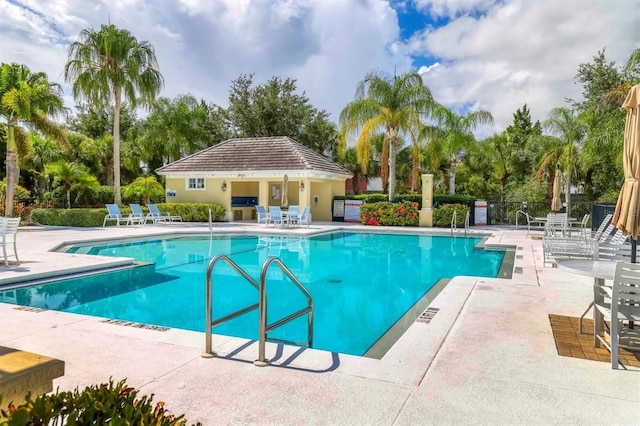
point(264, 328)
point(262, 305)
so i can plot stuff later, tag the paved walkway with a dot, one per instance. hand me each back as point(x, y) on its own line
point(487, 357)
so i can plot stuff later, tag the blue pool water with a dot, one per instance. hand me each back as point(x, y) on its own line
point(361, 283)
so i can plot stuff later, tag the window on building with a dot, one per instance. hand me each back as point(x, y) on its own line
point(195, 183)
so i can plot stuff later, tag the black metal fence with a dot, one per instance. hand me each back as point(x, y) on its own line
point(504, 213)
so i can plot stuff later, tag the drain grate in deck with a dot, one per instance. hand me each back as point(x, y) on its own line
point(518, 248)
point(519, 256)
point(517, 270)
point(135, 325)
point(29, 309)
point(427, 315)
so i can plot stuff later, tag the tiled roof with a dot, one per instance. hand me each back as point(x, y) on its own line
point(255, 154)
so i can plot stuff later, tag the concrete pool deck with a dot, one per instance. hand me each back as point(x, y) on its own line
point(487, 357)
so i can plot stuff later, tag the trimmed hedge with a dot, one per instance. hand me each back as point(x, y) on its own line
point(190, 212)
point(442, 215)
point(394, 214)
point(438, 199)
point(70, 217)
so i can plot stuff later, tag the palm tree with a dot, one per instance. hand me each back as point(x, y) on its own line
point(390, 106)
point(69, 173)
point(145, 187)
point(174, 128)
point(452, 134)
point(43, 152)
point(107, 65)
point(569, 130)
point(27, 99)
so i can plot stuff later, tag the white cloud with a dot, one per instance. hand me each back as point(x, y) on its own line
point(524, 52)
point(452, 8)
point(492, 54)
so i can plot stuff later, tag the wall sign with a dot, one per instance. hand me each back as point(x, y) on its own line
point(352, 210)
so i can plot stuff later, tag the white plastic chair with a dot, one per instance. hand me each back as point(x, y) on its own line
point(263, 216)
point(305, 217)
point(531, 221)
point(581, 226)
point(620, 305)
point(9, 228)
point(275, 215)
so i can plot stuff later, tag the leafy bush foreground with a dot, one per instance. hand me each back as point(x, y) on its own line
point(107, 403)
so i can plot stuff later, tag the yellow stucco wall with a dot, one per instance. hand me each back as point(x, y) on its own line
point(268, 191)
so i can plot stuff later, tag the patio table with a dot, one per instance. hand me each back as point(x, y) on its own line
point(600, 270)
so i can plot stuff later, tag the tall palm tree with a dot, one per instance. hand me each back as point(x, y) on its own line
point(452, 134)
point(390, 106)
point(108, 65)
point(28, 99)
point(569, 130)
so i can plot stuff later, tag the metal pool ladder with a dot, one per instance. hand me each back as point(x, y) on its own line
point(454, 224)
point(263, 327)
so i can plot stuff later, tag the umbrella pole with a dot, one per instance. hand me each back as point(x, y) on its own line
point(633, 250)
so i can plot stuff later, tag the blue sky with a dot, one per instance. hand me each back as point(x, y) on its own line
point(489, 54)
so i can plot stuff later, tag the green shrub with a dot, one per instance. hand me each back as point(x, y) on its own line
point(70, 217)
point(412, 198)
point(190, 212)
point(107, 403)
point(193, 212)
point(391, 214)
point(442, 215)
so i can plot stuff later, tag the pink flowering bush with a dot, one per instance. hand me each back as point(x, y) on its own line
point(389, 214)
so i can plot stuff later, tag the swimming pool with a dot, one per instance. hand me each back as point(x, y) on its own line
point(361, 283)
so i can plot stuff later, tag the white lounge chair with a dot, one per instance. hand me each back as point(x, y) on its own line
point(156, 216)
point(115, 215)
point(9, 229)
point(137, 213)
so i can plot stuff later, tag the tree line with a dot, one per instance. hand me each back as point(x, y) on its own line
point(393, 129)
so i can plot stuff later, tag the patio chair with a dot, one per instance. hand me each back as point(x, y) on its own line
point(275, 215)
point(620, 305)
point(115, 215)
point(531, 221)
point(263, 216)
point(9, 229)
point(556, 222)
point(302, 218)
point(137, 213)
point(580, 226)
point(156, 216)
